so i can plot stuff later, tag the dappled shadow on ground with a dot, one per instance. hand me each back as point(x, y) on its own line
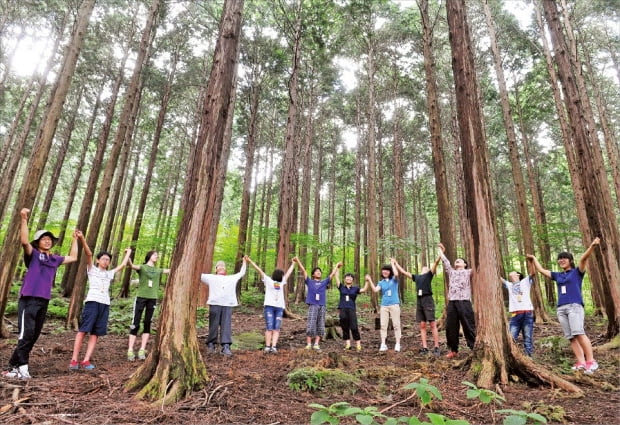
point(251, 387)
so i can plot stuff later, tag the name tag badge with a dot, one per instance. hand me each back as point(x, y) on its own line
point(389, 293)
point(150, 283)
point(346, 298)
point(563, 289)
point(419, 292)
point(317, 297)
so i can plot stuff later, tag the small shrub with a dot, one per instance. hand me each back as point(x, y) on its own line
point(425, 391)
point(315, 380)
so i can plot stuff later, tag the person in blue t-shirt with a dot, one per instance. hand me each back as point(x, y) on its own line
point(347, 310)
point(390, 303)
point(570, 305)
point(316, 299)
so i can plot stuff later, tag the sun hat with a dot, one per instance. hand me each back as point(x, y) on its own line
point(39, 234)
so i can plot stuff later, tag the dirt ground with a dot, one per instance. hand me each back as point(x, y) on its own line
point(251, 387)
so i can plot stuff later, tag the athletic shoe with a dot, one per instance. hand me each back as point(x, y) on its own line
point(437, 351)
point(451, 354)
point(142, 355)
point(87, 365)
point(358, 348)
point(591, 367)
point(17, 373)
point(267, 350)
point(131, 356)
point(383, 347)
point(423, 350)
point(226, 350)
point(309, 347)
point(347, 347)
point(74, 365)
point(397, 348)
point(273, 350)
point(316, 347)
point(579, 366)
point(210, 348)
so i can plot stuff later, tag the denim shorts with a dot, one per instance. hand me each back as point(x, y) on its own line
point(571, 317)
point(273, 317)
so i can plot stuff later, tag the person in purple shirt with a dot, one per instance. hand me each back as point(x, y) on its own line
point(570, 310)
point(316, 299)
point(36, 291)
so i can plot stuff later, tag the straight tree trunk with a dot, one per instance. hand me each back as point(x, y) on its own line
point(515, 162)
point(131, 97)
point(9, 253)
point(495, 354)
point(175, 366)
point(599, 210)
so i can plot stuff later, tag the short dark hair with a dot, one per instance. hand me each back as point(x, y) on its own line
point(277, 275)
point(465, 261)
point(102, 253)
point(520, 275)
point(388, 267)
point(315, 269)
point(568, 256)
point(350, 274)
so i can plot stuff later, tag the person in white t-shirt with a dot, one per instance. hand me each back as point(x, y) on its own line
point(275, 303)
point(222, 299)
point(96, 304)
point(521, 308)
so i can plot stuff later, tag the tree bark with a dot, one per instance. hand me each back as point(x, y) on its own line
point(176, 358)
point(36, 165)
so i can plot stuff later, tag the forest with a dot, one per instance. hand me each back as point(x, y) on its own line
point(350, 131)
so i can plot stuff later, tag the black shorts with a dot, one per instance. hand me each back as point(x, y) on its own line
point(425, 311)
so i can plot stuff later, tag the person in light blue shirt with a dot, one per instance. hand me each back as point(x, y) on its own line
point(390, 303)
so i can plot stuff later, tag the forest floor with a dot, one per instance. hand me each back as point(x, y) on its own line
point(251, 387)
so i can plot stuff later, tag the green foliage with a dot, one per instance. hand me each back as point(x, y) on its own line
point(519, 417)
point(425, 391)
point(371, 416)
point(315, 380)
point(58, 308)
point(484, 395)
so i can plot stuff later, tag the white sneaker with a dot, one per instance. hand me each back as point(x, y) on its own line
point(397, 347)
point(383, 347)
point(17, 373)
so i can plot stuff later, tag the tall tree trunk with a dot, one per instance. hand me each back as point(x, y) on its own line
point(495, 353)
point(36, 166)
point(288, 179)
point(70, 274)
point(176, 358)
point(515, 163)
point(131, 97)
point(599, 211)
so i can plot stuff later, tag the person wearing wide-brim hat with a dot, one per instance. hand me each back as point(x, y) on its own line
point(36, 291)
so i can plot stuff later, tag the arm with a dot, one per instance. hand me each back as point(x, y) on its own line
point(133, 266)
point(539, 268)
point(337, 280)
point(335, 271)
point(395, 265)
point(289, 271)
point(253, 264)
point(301, 267)
point(122, 265)
point(442, 254)
point(87, 251)
point(165, 271)
point(23, 231)
point(435, 264)
point(365, 288)
point(72, 257)
point(394, 268)
point(372, 285)
point(583, 262)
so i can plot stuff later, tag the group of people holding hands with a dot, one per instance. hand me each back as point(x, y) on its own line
point(41, 264)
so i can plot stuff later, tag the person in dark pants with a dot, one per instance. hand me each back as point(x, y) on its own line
point(459, 310)
point(222, 299)
point(36, 291)
point(347, 309)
